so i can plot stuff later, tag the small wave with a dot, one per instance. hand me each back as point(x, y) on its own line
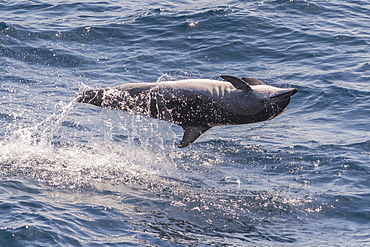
point(42, 56)
point(17, 79)
point(7, 117)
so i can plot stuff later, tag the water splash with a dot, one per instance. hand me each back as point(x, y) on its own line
point(34, 152)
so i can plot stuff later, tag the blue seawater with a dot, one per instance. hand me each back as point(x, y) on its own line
point(76, 175)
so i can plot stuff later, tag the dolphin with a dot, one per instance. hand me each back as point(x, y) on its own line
point(196, 104)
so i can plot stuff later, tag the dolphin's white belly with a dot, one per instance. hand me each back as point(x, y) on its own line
point(221, 92)
point(207, 87)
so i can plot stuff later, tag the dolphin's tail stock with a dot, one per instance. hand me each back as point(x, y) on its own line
point(93, 97)
point(117, 98)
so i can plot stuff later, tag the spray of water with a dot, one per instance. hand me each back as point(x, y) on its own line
point(39, 152)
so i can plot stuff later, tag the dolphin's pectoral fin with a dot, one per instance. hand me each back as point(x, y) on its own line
point(237, 83)
point(191, 133)
point(253, 81)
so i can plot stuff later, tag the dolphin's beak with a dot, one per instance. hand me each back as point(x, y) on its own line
point(284, 94)
point(282, 98)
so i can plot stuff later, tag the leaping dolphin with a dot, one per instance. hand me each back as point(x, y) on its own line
point(196, 104)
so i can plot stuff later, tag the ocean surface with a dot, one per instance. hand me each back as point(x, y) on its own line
point(78, 175)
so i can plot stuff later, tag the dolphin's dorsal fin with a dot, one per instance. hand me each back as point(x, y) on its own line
point(191, 133)
point(237, 83)
point(252, 81)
